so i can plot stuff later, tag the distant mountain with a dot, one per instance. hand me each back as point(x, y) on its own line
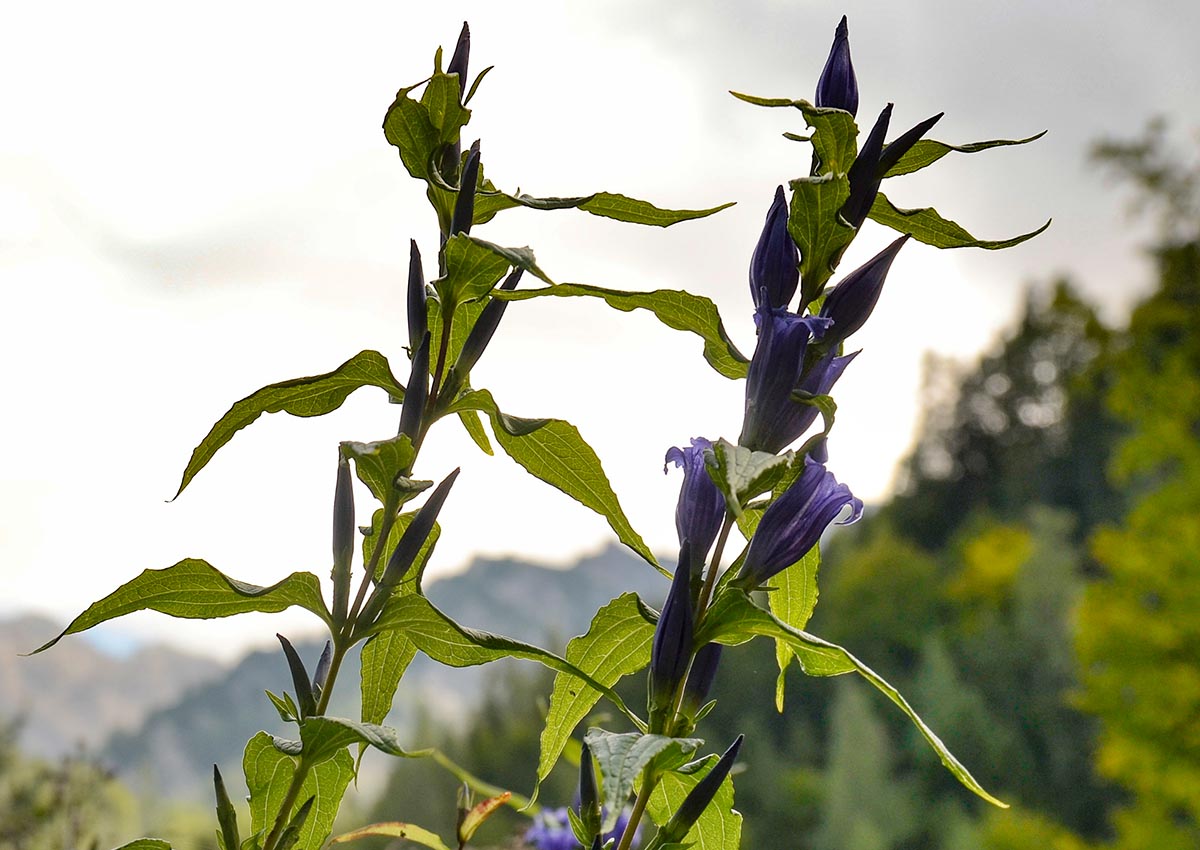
point(171, 753)
point(78, 695)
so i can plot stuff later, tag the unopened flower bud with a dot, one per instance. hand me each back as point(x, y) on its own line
point(698, 798)
point(838, 87)
point(849, 304)
point(775, 266)
point(670, 652)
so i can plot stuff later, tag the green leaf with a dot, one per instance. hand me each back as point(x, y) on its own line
point(407, 125)
point(818, 229)
point(521, 258)
point(554, 451)
point(925, 225)
point(146, 844)
point(616, 644)
point(312, 396)
point(324, 737)
point(719, 827)
point(681, 311)
point(446, 113)
point(379, 463)
point(269, 773)
point(622, 208)
point(193, 589)
point(741, 474)
point(834, 135)
point(385, 657)
point(449, 643)
point(465, 316)
point(471, 271)
point(734, 619)
point(474, 425)
point(287, 709)
point(792, 602)
point(394, 829)
point(928, 151)
point(621, 757)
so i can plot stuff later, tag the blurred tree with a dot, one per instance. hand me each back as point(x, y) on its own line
point(1139, 636)
point(1027, 426)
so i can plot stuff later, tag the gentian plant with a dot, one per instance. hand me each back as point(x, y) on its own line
point(651, 777)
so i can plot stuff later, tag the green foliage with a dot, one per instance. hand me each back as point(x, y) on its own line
point(623, 756)
point(925, 225)
point(718, 827)
point(269, 776)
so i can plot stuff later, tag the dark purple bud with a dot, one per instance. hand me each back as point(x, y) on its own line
point(700, 678)
point(408, 548)
point(775, 266)
point(701, 507)
point(671, 650)
point(458, 62)
point(226, 814)
point(872, 163)
point(478, 339)
point(838, 87)
point(464, 205)
point(795, 522)
point(300, 681)
point(418, 319)
point(589, 793)
point(416, 393)
point(321, 674)
point(343, 538)
point(849, 304)
point(773, 419)
point(698, 798)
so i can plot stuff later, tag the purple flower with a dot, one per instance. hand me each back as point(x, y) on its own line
point(773, 419)
point(462, 55)
point(697, 800)
point(837, 87)
point(551, 830)
point(849, 304)
point(700, 678)
point(775, 266)
point(873, 162)
point(701, 507)
point(795, 522)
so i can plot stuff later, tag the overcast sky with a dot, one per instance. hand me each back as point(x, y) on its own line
point(197, 201)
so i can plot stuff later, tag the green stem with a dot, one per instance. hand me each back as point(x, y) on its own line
point(710, 580)
point(289, 801)
point(438, 373)
point(390, 507)
point(639, 809)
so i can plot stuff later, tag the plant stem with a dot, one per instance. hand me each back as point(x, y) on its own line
point(385, 528)
point(710, 580)
point(438, 372)
point(635, 816)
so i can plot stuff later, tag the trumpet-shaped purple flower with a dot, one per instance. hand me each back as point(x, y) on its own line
point(873, 162)
point(773, 419)
point(701, 507)
point(775, 266)
point(849, 304)
point(795, 522)
point(838, 87)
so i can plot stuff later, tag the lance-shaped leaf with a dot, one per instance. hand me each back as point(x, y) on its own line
point(719, 826)
point(519, 258)
point(323, 737)
point(622, 756)
point(925, 225)
point(622, 208)
point(554, 451)
point(616, 644)
point(472, 271)
point(146, 844)
point(454, 645)
point(792, 599)
point(394, 829)
point(679, 310)
point(734, 619)
point(379, 463)
point(312, 396)
point(474, 817)
point(269, 774)
point(741, 474)
point(385, 657)
point(928, 151)
point(193, 589)
point(819, 230)
point(834, 137)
